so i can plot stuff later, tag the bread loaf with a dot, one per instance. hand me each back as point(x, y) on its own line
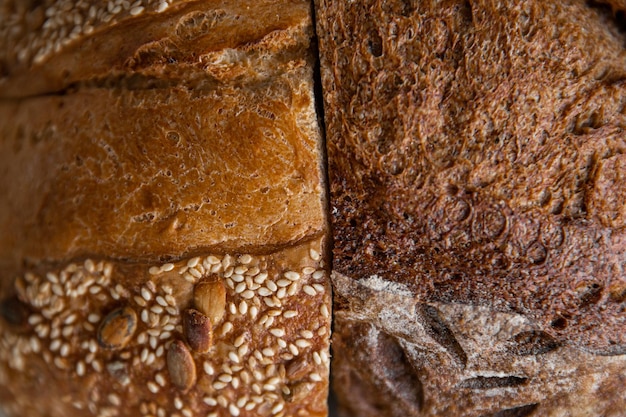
point(164, 229)
point(476, 165)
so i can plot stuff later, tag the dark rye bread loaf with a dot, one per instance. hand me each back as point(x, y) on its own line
point(478, 189)
point(162, 211)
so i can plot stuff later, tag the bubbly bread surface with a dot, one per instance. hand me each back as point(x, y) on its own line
point(476, 165)
point(163, 211)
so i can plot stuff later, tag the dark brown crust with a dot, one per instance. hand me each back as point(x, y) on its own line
point(476, 157)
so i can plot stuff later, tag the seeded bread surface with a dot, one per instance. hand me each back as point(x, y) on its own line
point(164, 231)
point(476, 165)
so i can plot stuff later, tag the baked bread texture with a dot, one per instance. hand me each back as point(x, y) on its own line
point(477, 177)
point(163, 213)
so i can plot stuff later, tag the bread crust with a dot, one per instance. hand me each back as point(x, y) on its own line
point(163, 213)
point(476, 158)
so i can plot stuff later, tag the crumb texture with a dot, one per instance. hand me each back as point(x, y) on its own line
point(476, 158)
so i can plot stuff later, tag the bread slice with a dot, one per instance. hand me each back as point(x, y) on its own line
point(163, 214)
point(476, 165)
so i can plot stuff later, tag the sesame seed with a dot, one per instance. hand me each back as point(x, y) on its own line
point(315, 377)
point(234, 411)
point(114, 400)
point(80, 368)
point(96, 365)
point(161, 301)
point(324, 311)
point(290, 314)
point(281, 293)
point(309, 290)
point(317, 358)
point(260, 278)
point(228, 272)
point(55, 345)
point(240, 287)
point(172, 310)
point(178, 403)
point(160, 379)
point(154, 270)
point(195, 273)
point(302, 343)
point(193, 262)
point(256, 388)
point(156, 309)
point(225, 378)
point(165, 335)
point(245, 259)
point(253, 271)
point(144, 316)
point(254, 311)
point(140, 301)
point(315, 255)
point(269, 302)
point(146, 294)
point(307, 270)
point(292, 275)
point(144, 355)
point(241, 270)
point(187, 412)
point(264, 292)
point(208, 369)
point(294, 350)
point(283, 282)
point(222, 401)
point(281, 343)
point(307, 334)
point(209, 401)
point(154, 388)
point(34, 319)
point(242, 351)
point(219, 385)
point(226, 327)
point(233, 357)
point(166, 267)
point(248, 294)
point(319, 287)
point(277, 408)
point(268, 352)
point(237, 277)
point(277, 332)
point(159, 351)
point(271, 285)
point(269, 387)
point(324, 356)
point(269, 322)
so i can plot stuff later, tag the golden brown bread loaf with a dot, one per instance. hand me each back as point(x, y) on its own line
point(164, 232)
point(477, 177)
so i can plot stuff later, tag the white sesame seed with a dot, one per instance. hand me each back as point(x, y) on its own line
point(140, 301)
point(307, 270)
point(269, 302)
point(156, 309)
point(271, 285)
point(166, 267)
point(277, 332)
point(96, 365)
point(55, 345)
point(315, 255)
point(243, 307)
point(154, 388)
point(160, 379)
point(237, 277)
point(324, 356)
point(269, 322)
point(172, 310)
point(114, 400)
point(292, 275)
point(319, 287)
point(256, 388)
point(269, 387)
point(222, 401)
point(260, 278)
point(264, 292)
point(195, 273)
point(193, 262)
point(161, 301)
point(146, 294)
point(307, 334)
point(234, 411)
point(187, 412)
point(189, 278)
point(245, 259)
point(242, 351)
point(94, 289)
point(277, 408)
point(154, 270)
point(229, 272)
point(226, 327)
point(219, 385)
point(144, 316)
point(34, 319)
point(309, 290)
point(240, 287)
point(254, 311)
point(80, 368)
point(178, 403)
point(209, 401)
point(233, 357)
point(225, 378)
point(274, 313)
point(293, 349)
point(302, 343)
point(269, 352)
point(90, 266)
point(170, 299)
point(159, 352)
point(317, 358)
point(315, 377)
point(208, 369)
point(290, 314)
point(283, 282)
point(281, 343)
point(281, 293)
